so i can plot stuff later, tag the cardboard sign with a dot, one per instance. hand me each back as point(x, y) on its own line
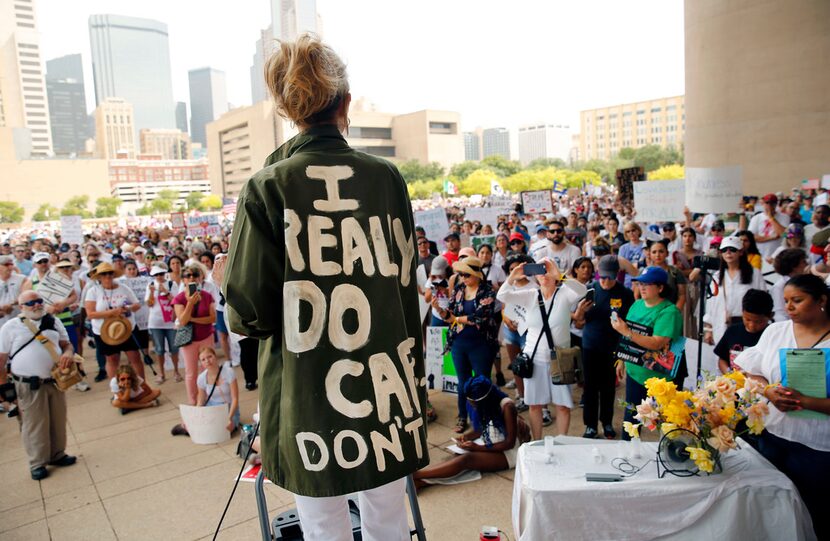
point(714, 189)
point(486, 215)
point(434, 222)
point(625, 182)
point(54, 287)
point(659, 200)
point(537, 201)
point(504, 201)
point(206, 424)
point(478, 240)
point(138, 285)
point(203, 226)
point(810, 184)
point(825, 181)
point(177, 221)
point(821, 199)
point(72, 230)
point(440, 370)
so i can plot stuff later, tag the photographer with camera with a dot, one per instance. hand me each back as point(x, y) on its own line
point(555, 302)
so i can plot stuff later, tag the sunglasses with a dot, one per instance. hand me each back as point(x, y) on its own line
point(729, 250)
point(512, 242)
point(33, 302)
point(8, 264)
point(190, 275)
point(43, 262)
point(108, 273)
point(463, 275)
point(556, 231)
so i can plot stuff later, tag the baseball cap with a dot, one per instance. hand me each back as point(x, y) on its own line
point(40, 256)
point(609, 267)
point(156, 270)
point(795, 230)
point(516, 236)
point(439, 266)
point(452, 236)
point(731, 242)
point(541, 227)
point(652, 275)
point(770, 198)
point(668, 226)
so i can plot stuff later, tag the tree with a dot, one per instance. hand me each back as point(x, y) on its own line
point(668, 172)
point(77, 206)
point(11, 212)
point(413, 170)
point(171, 195)
point(45, 213)
point(211, 202)
point(193, 199)
point(501, 165)
point(544, 163)
point(626, 153)
point(106, 207)
point(463, 169)
point(477, 182)
point(143, 210)
point(423, 189)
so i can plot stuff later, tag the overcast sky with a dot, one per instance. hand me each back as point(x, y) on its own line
point(497, 63)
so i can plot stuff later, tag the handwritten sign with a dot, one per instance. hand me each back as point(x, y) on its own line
point(486, 215)
point(440, 369)
point(54, 287)
point(714, 189)
point(825, 181)
point(478, 240)
point(537, 201)
point(504, 201)
point(206, 424)
point(434, 222)
point(177, 221)
point(138, 285)
point(810, 184)
point(203, 226)
point(659, 200)
point(71, 230)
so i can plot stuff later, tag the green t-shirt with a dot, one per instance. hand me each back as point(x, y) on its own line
point(321, 269)
point(665, 319)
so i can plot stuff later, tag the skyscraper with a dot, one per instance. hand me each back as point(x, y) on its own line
point(131, 60)
point(67, 104)
point(540, 141)
point(23, 103)
point(472, 146)
point(114, 129)
point(181, 116)
point(495, 142)
point(264, 47)
point(208, 100)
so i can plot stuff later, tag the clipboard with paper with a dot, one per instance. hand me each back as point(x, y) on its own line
point(808, 372)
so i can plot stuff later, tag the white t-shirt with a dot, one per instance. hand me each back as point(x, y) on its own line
point(106, 299)
point(155, 319)
point(9, 292)
point(563, 258)
point(213, 289)
point(133, 393)
point(34, 359)
point(559, 317)
point(760, 225)
point(729, 300)
point(222, 394)
point(518, 312)
point(777, 293)
point(764, 360)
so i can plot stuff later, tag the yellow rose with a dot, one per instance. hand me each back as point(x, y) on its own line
point(632, 429)
point(702, 458)
point(661, 389)
point(728, 415)
point(738, 377)
point(666, 428)
point(722, 439)
point(756, 426)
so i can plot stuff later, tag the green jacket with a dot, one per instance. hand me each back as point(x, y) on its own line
point(322, 270)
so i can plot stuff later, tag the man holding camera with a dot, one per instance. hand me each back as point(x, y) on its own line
point(42, 404)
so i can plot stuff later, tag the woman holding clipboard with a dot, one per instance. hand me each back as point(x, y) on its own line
point(790, 359)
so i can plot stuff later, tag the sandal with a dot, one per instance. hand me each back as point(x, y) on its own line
point(460, 425)
point(160, 379)
point(178, 377)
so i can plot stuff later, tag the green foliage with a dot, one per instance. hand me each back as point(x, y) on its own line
point(45, 213)
point(464, 169)
point(413, 170)
point(477, 182)
point(627, 153)
point(161, 205)
point(107, 206)
point(77, 206)
point(193, 199)
point(423, 189)
point(170, 195)
point(11, 212)
point(544, 163)
point(502, 166)
point(668, 172)
point(144, 210)
point(529, 179)
point(211, 202)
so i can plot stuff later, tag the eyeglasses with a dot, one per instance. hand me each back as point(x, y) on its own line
point(728, 250)
point(33, 302)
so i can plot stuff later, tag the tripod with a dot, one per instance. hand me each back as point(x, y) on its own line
point(704, 292)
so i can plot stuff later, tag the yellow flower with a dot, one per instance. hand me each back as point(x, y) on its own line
point(728, 415)
point(738, 377)
point(678, 411)
point(668, 427)
point(661, 389)
point(702, 458)
point(632, 429)
point(755, 425)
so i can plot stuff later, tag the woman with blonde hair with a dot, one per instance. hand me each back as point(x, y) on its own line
point(321, 268)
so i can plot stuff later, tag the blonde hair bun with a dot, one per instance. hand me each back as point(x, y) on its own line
point(307, 80)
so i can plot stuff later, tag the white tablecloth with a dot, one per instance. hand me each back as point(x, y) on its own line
point(749, 500)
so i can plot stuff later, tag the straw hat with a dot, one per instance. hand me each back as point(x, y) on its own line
point(116, 330)
point(469, 265)
point(106, 267)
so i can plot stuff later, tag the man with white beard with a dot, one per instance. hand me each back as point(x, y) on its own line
point(42, 404)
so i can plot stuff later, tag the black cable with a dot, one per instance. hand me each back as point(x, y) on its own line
point(238, 478)
point(627, 468)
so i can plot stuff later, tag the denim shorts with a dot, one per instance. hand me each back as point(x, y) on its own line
point(220, 322)
point(513, 337)
point(162, 335)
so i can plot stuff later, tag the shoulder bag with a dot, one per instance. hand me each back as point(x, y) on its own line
point(64, 377)
point(184, 333)
point(522, 365)
point(565, 363)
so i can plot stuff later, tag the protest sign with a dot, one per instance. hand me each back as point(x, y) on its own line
point(825, 181)
point(714, 189)
point(537, 201)
point(138, 286)
point(206, 424)
point(203, 226)
point(250, 475)
point(659, 200)
point(478, 240)
point(54, 287)
point(440, 370)
point(810, 184)
point(434, 222)
point(486, 215)
point(71, 230)
point(625, 181)
point(501, 201)
point(821, 199)
point(177, 221)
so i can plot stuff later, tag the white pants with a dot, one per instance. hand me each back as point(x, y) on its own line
point(382, 515)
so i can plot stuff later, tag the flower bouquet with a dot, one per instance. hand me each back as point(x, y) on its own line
point(711, 414)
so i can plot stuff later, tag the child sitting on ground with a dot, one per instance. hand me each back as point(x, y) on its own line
point(130, 392)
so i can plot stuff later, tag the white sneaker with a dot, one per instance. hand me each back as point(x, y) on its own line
point(510, 384)
point(520, 404)
point(82, 386)
point(546, 418)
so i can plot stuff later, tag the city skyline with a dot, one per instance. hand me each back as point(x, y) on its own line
point(538, 66)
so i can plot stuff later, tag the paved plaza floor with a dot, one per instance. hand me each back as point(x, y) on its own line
point(134, 481)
